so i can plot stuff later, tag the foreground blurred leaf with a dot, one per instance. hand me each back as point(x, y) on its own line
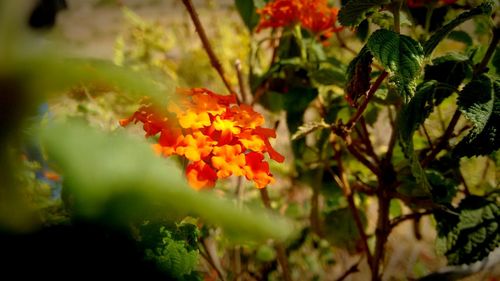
point(101, 169)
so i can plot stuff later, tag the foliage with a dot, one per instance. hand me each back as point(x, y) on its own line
point(373, 105)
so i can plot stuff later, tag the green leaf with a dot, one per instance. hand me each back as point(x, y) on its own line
point(450, 70)
point(479, 101)
point(354, 12)
point(401, 56)
point(247, 11)
point(308, 128)
point(470, 235)
point(341, 230)
point(171, 254)
point(461, 36)
point(117, 174)
point(443, 189)
point(495, 61)
point(414, 113)
point(328, 76)
point(483, 9)
point(358, 75)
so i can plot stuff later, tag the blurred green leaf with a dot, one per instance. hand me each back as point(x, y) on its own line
point(401, 56)
point(247, 10)
point(341, 230)
point(483, 9)
point(461, 36)
point(355, 11)
point(328, 76)
point(100, 169)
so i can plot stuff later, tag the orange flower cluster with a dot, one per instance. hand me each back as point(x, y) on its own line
point(314, 15)
point(217, 136)
point(421, 3)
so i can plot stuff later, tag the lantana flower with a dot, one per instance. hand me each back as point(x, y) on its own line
point(218, 137)
point(314, 15)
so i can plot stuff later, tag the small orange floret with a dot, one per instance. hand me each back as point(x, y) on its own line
point(200, 175)
point(314, 15)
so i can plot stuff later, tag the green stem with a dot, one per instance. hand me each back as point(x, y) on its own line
point(300, 41)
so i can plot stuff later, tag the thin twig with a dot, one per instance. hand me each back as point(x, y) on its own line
point(350, 124)
point(280, 249)
point(241, 83)
point(427, 136)
point(206, 44)
point(343, 45)
point(396, 221)
point(367, 141)
point(372, 167)
point(392, 139)
point(443, 142)
point(344, 183)
point(353, 269)
point(212, 258)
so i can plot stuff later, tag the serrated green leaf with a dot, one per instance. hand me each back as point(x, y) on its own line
point(358, 75)
point(479, 101)
point(308, 128)
point(472, 234)
point(461, 36)
point(247, 10)
point(483, 9)
point(450, 70)
point(354, 12)
point(414, 113)
point(476, 102)
point(401, 56)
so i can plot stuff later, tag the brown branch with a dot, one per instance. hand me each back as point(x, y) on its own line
point(343, 45)
point(400, 219)
point(367, 141)
point(353, 269)
point(363, 159)
point(392, 140)
point(280, 249)
point(367, 99)
point(344, 183)
point(206, 44)
point(443, 142)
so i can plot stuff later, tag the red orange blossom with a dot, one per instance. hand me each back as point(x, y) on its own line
point(219, 137)
point(314, 15)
